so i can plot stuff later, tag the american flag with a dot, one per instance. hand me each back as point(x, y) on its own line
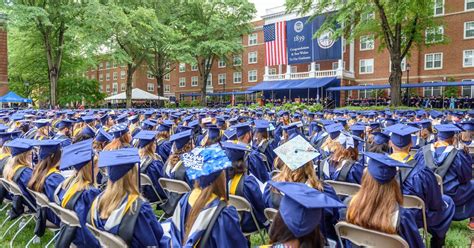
point(275, 43)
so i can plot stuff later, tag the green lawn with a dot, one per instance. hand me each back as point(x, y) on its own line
point(458, 236)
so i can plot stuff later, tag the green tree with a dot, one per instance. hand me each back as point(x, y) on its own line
point(214, 29)
point(398, 25)
point(75, 90)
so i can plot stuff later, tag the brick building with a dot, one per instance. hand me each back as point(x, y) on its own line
point(361, 62)
point(3, 55)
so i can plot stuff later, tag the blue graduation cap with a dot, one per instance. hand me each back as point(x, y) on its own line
point(435, 114)
point(88, 118)
point(242, 129)
point(205, 165)
point(77, 155)
point(145, 137)
point(390, 122)
point(165, 126)
point(119, 162)
point(302, 207)
point(103, 136)
point(64, 124)
point(119, 130)
point(88, 131)
point(122, 118)
point(3, 128)
point(213, 132)
point(235, 150)
point(401, 134)
point(314, 126)
point(148, 124)
point(283, 113)
point(193, 124)
point(104, 118)
point(383, 168)
point(19, 146)
point(374, 125)
point(47, 147)
point(326, 122)
point(334, 130)
point(357, 129)
point(446, 131)
point(381, 137)
point(181, 139)
point(133, 119)
point(341, 120)
point(230, 134)
point(7, 136)
point(261, 126)
point(425, 123)
point(467, 125)
point(42, 123)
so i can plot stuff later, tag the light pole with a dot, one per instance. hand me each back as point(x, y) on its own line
point(408, 68)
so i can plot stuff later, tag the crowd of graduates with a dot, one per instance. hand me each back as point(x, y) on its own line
point(93, 162)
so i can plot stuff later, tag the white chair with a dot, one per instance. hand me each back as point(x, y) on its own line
point(106, 239)
point(146, 181)
point(344, 188)
point(368, 238)
point(242, 205)
point(439, 179)
point(270, 214)
point(68, 217)
point(411, 201)
point(174, 186)
point(42, 201)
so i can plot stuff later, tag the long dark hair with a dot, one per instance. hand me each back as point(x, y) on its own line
point(238, 167)
point(38, 178)
point(378, 148)
point(279, 233)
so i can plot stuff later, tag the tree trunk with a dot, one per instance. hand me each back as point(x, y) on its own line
point(160, 90)
point(128, 91)
point(395, 81)
point(53, 79)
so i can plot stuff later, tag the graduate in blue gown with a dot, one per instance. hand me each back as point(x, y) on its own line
point(454, 167)
point(380, 200)
point(120, 209)
point(204, 212)
point(64, 132)
point(263, 142)
point(151, 165)
point(300, 217)
point(163, 145)
point(77, 192)
point(244, 185)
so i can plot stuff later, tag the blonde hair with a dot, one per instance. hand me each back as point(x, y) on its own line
point(83, 177)
point(119, 142)
point(148, 150)
point(173, 159)
point(20, 159)
point(43, 131)
point(330, 144)
point(304, 174)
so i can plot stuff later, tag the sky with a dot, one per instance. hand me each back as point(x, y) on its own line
point(262, 5)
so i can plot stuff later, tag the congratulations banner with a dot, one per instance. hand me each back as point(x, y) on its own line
point(299, 39)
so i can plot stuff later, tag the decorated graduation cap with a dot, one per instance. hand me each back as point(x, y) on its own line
point(401, 134)
point(302, 207)
point(334, 130)
point(119, 162)
point(47, 147)
point(77, 155)
point(119, 130)
point(103, 136)
point(383, 168)
point(235, 150)
point(446, 131)
point(145, 137)
point(181, 139)
point(296, 152)
point(205, 165)
point(381, 137)
point(19, 146)
point(242, 129)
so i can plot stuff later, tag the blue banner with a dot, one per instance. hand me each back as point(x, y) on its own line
point(324, 47)
point(299, 41)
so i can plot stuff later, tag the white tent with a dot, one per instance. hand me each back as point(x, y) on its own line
point(137, 94)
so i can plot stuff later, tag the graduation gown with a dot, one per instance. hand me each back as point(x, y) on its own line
point(22, 182)
point(52, 181)
point(257, 166)
point(354, 175)
point(163, 148)
point(67, 141)
point(226, 231)
point(154, 170)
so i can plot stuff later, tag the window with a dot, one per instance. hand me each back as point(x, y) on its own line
point(252, 57)
point(253, 76)
point(115, 88)
point(253, 39)
point(272, 71)
point(149, 75)
point(293, 69)
point(167, 88)
point(438, 7)
point(101, 66)
point(182, 67)
point(115, 64)
point(335, 65)
point(237, 60)
point(237, 77)
point(107, 76)
point(168, 66)
point(107, 65)
point(433, 61)
point(101, 77)
point(469, 5)
point(123, 74)
point(432, 91)
point(368, 17)
point(221, 78)
point(469, 30)
point(221, 63)
point(209, 80)
point(367, 42)
point(182, 82)
point(115, 75)
point(317, 67)
point(434, 35)
point(468, 90)
point(194, 81)
point(107, 88)
point(167, 77)
point(468, 58)
point(365, 93)
point(122, 86)
point(101, 88)
point(366, 66)
point(150, 87)
point(194, 67)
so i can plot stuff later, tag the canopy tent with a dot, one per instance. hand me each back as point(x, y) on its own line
point(231, 93)
point(190, 94)
point(310, 83)
point(361, 87)
point(137, 94)
point(416, 85)
point(13, 97)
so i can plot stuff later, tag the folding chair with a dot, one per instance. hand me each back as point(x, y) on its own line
point(439, 179)
point(411, 201)
point(242, 205)
point(42, 201)
point(14, 189)
point(146, 181)
point(270, 214)
point(174, 186)
point(369, 238)
point(344, 188)
point(106, 239)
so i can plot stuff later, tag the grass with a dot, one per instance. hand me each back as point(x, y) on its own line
point(458, 235)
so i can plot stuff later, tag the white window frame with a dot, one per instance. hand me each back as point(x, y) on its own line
point(237, 75)
point(272, 71)
point(115, 75)
point(167, 66)
point(167, 77)
point(471, 88)
point(182, 82)
point(123, 87)
point(149, 75)
point(107, 65)
point(466, 3)
point(123, 74)
point(107, 76)
point(433, 55)
point(167, 88)
point(237, 58)
point(209, 81)
point(365, 66)
point(434, 8)
point(465, 30)
point(182, 67)
point(366, 93)
point(101, 77)
point(293, 69)
point(150, 87)
point(253, 39)
point(115, 87)
point(252, 58)
point(437, 32)
point(221, 78)
point(464, 58)
point(114, 64)
point(335, 65)
point(252, 78)
point(221, 63)
point(194, 67)
point(369, 42)
point(194, 81)
point(317, 67)
point(101, 66)
point(107, 88)
point(432, 90)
